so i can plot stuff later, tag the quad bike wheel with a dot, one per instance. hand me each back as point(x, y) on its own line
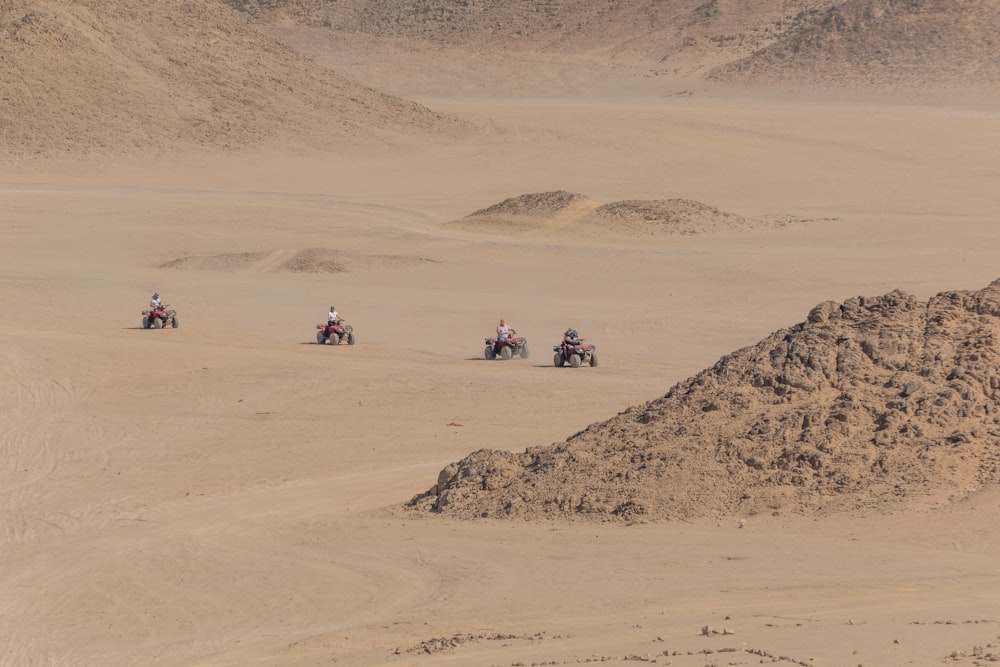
point(524, 351)
point(145, 322)
point(334, 339)
point(505, 353)
point(319, 337)
point(557, 360)
point(157, 323)
point(593, 359)
point(350, 338)
point(574, 360)
point(175, 323)
point(489, 353)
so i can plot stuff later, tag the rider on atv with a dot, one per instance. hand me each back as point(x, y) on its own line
point(504, 332)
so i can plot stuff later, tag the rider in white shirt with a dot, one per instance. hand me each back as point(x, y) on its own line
point(155, 302)
point(333, 316)
point(504, 330)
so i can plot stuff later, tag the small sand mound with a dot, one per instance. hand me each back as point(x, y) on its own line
point(668, 216)
point(236, 261)
point(539, 204)
point(553, 212)
point(317, 260)
point(877, 404)
point(329, 260)
point(524, 213)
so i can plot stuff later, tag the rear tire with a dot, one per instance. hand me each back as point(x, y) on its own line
point(524, 351)
point(489, 353)
point(557, 360)
point(505, 353)
point(334, 339)
point(157, 323)
point(593, 359)
point(574, 361)
point(319, 338)
point(350, 338)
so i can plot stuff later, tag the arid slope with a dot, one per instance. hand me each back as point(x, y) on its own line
point(908, 43)
point(130, 76)
point(825, 42)
point(714, 31)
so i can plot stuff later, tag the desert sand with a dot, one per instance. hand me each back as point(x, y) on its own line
point(231, 493)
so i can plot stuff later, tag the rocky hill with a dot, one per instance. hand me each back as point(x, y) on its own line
point(710, 31)
point(827, 42)
point(83, 76)
point(133, 76)
point(882, 42)
point(875, 404)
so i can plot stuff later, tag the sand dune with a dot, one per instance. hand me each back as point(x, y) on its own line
point(762, 478)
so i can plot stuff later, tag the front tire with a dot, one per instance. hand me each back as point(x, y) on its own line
point(319, 338)
point(145, 322)
point(334, 339)
point(524, 351)
point(557, 360)
point(157, 323)
point(489, 353)
point(574, 361)
point(506, 354)
point(350, 338)
point(593, 359)
point(175, 323)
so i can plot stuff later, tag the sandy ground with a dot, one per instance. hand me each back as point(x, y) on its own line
point(228, 493)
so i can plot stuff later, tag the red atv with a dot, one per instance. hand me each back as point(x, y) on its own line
point(505, 348)
point(334, 333)
point(574, 353)
point(159, 317)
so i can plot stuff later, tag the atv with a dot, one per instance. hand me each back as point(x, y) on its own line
point(159, 317)
point(334, 333)
point(574, 353)
point(505, 348)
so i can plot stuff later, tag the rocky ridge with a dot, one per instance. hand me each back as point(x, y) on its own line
point(877, 404)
